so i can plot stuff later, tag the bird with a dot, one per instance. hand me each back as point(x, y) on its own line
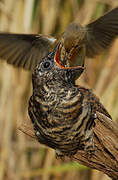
point(76, 43)
point(62, 113)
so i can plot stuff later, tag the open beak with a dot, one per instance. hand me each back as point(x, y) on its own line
point(60, 65)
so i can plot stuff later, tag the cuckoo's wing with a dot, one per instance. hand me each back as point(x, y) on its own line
point(96, 105)
point(24, 50)
point(101, 33)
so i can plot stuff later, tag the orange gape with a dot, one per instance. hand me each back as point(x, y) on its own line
point(57, 58)
point(59, 63)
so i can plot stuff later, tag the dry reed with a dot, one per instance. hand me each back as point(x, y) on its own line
point(22, 158)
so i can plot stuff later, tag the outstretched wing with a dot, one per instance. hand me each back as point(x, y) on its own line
point(24, 50)
point(101, 33)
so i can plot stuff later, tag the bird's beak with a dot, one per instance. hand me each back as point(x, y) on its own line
point(60, 65)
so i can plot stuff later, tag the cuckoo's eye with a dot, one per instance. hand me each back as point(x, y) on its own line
point(46, 65)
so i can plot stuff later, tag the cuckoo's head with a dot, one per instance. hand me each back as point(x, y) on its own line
point(51, 71)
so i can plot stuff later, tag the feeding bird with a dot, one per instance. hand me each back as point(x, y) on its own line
point(77, 42)
point(62, 113)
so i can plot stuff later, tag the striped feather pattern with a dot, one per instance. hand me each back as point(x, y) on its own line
point(65, 122)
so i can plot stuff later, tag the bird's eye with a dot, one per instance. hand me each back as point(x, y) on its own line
point(47, 64)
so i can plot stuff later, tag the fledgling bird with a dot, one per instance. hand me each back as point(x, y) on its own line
point(27, 50)
point(62, 113)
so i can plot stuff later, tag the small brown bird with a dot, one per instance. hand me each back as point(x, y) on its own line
point(27, 50)
point(62, 113)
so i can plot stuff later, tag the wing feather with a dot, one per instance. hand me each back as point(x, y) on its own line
point(101, 33)
point(24, 50)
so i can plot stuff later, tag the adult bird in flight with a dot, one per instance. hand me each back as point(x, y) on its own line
point(27, 50)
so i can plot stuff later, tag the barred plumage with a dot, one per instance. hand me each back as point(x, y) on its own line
point(62, 113)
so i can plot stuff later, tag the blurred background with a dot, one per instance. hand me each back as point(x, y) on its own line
point(21, 157)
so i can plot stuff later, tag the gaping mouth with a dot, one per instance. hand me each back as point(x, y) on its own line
point(59, 63)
